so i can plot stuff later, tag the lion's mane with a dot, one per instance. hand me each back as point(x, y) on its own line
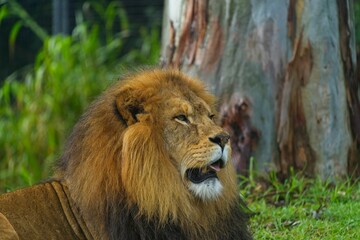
point(120, 176)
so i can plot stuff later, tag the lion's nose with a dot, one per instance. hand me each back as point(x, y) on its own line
point(221, 139)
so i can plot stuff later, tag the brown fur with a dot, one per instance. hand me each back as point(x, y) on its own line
point(126, 152)
point(6, 229)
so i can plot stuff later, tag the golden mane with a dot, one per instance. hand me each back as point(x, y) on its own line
point(117, 166)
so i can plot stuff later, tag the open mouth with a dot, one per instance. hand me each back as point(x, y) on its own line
point(199, 175)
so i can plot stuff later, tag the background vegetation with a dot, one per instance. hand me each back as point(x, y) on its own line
point(39, 104)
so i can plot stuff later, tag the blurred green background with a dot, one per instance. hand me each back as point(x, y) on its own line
point(47, 79)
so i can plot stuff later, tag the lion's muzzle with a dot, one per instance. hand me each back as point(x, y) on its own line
point(199, 175)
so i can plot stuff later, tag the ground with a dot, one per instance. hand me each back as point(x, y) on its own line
point(301, 208)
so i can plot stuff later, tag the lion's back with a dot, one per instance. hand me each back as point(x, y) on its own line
point(38, 211)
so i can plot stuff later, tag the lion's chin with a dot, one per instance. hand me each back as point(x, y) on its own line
point(209, 189)
point(204, 182)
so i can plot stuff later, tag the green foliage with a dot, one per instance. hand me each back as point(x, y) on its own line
point(302, 208)
point(39, 105)
point(12, 8)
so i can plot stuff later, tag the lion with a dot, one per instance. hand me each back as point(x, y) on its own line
point(145, 161)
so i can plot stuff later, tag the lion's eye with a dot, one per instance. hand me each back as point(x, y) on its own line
point(212, 116)
point(182, 118)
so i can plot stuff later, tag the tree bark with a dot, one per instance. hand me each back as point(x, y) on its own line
point(60, 24)
point(285, 74)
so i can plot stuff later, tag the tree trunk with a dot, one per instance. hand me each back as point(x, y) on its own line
point(60, 17)
point(285, 74)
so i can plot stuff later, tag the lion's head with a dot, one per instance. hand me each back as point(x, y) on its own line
point(151, 143)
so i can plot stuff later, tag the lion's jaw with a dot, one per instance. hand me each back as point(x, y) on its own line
point(203, 182)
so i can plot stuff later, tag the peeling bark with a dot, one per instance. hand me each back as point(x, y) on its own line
point(170, 49)
point(285, 76)
point(185, 36)
point(201, 23)
point(192, 34)
point(214, 48)
point(351, 83)
point(293, 138)
point(295, 12)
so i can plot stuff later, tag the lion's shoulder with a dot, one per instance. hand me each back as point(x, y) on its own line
point(41, 210)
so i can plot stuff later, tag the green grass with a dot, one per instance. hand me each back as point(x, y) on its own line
point(303, 208)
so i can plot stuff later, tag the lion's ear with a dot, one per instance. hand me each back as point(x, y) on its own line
point(129, 107)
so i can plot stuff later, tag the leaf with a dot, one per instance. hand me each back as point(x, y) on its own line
point(12, 38)
point(20, 12)
point(4, 12)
